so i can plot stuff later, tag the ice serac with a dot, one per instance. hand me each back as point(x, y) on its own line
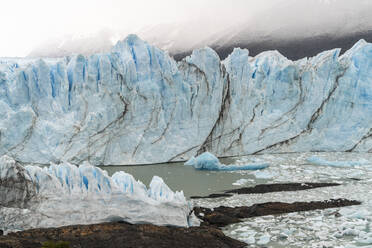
point(32, 197)
point(137, 105)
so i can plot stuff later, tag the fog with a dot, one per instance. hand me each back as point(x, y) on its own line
point(54, 28)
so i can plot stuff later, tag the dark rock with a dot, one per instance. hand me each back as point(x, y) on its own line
point(211, 196)
point(1, 232)
point(122, 235)
point(280, 187)
point(222, 216)
point(16, 189)
point(355, 179)
point(269, 188)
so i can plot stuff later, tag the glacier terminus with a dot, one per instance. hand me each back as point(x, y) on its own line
point(137, 105)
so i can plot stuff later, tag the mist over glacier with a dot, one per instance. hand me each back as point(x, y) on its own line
point(296, 28)
point(136, 105)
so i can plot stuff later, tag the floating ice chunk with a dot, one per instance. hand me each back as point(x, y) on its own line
point(365, 241)
point(320, 161)
point(65, 194)
point(350, 232)
point(287, 232)
point(250, 240)
point(264, 239)
point(240, 182)
point(360, 213)
point(264, 174)
point(207, 161)
point(191, 162)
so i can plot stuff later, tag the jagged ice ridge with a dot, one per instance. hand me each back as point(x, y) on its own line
point(64, 194)
point(137, 105)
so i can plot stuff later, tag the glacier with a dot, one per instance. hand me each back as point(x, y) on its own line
point(137, 105)
point(32, 196)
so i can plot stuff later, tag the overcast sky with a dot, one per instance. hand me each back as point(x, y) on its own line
point(25, 24)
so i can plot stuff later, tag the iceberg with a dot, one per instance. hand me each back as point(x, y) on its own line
point(240, 182)
point(64, 194)
point(137, 105)
point(207, 161)
point(320, 161)
point(264, 174)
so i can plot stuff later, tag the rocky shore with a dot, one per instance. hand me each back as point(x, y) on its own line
point(122, 235)
point(269, 188)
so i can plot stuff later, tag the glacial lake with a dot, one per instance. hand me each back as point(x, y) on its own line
point(180, 177)
point(290, 167)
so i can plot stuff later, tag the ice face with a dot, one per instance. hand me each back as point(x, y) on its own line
point(16, 187)
point(137, 105)
point(64, 194)
point(207, 161)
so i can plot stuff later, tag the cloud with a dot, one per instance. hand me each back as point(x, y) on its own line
point(26, 25)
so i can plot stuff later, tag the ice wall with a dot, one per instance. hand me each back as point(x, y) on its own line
point(137, 105)
point(64, 194)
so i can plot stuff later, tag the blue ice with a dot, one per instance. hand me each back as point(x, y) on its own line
point(207, 161)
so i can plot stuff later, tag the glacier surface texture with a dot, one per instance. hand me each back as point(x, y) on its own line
point(32, 196)
point(136, 105)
